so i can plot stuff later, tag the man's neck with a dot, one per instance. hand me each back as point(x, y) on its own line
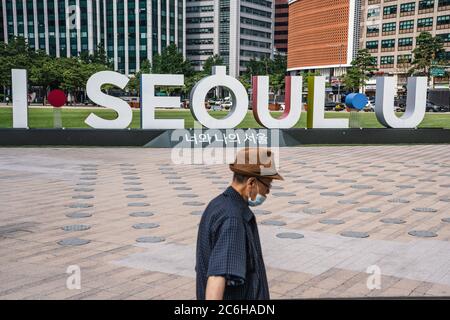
point(239, 188)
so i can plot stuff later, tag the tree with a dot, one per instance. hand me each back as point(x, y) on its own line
point(429, 51)
point(212, 61)
point(171, 61)
point(16, 54)
point(363, 67)
point(274, 68)
point(135, 82)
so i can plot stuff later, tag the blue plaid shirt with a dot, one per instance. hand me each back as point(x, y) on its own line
point(228, 245)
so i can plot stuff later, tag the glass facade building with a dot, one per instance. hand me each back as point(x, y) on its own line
point(237, 30)
point(129, 30)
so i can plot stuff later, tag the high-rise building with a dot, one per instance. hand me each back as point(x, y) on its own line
point(129, 30)
point(323, 36)
point(281, 25)
point(237, 30)
point(389, 30)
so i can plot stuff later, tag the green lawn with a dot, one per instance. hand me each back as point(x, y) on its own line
point(74, 118)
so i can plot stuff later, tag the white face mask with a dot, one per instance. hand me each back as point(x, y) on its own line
point(259, 200)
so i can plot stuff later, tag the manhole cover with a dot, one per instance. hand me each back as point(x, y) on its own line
point(345, 180)
point(134, 189)
point(79, 215)
point(316, 187)
point(194, 203)
point(304, 181)
point(136, 196)
point(348, 201)
point(369, 210)
point(80, 205)
point(332, 221)
point(273, 223)
point(73, 242)
point(355, 234)
point(182, 188)
point(284, 194)
point(83, 190)
point(261, 212)
point(298, 202)
point(314, 211)
point(86, 184)
point(290, 235)
point(138, 204)
point(145, 225)
point(361, 186)
point(379, 193)
point(425, 193)
point(76, 227)
point(150, 239)
point(332, 194)
point(405, 186)
point(422, 234)
point(88, 178)
point(393, 221)
point(424, 210)
point(142, 214)
point(82, 197)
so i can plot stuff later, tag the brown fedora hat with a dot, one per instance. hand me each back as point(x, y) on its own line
point(256, 162)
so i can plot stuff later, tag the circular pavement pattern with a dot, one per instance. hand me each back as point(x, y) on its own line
point(150, 239)
point(332, 221)
point(142, 214)
point(290, 235)
point(355, 234)
point(73, 242)
point(393, 221)
point(76, 227)
point(145, 225)
point(422, 234)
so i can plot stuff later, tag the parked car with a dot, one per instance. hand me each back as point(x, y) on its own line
point(340, 107)
point(431, 107)
point(330, 105)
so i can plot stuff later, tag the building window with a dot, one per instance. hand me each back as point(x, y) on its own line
point(426, 6)
point(404, 60)
point(373, 31)
point(372, 46)
point(407, 9)
point(387, 61)
point(445, 39)
point(390, 12)
point(373, 12)
point(424, 24)
point(387, 45)
point(406, 26)
point(443, 22)
point(389, 28)
point(443, 5)
point(405, 43)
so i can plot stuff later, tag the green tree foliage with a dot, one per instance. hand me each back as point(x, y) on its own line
point(363, 67)
point(428, 52)
point(274, 68)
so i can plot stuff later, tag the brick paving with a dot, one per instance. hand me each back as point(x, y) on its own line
point(105, 199)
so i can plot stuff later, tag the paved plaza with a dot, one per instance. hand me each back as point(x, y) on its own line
point(127, 217)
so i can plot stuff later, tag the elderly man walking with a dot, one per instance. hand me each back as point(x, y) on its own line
point(229, 262)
